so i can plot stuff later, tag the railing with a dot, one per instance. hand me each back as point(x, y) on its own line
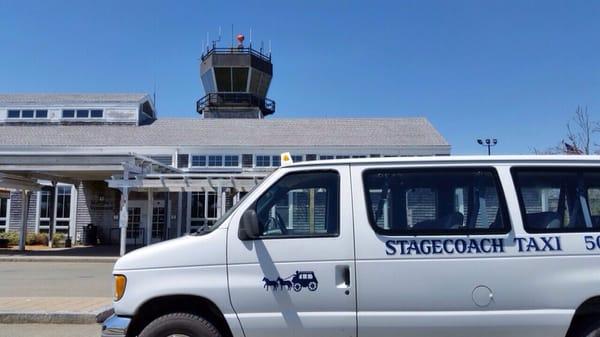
point(236, 50)
point(235, 99)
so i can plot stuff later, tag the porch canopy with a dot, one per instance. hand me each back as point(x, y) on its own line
point(22, 171)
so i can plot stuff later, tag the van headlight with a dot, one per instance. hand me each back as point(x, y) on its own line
point(120, 284)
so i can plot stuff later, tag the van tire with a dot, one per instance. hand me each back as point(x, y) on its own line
point(592, 330)
point(180, 323)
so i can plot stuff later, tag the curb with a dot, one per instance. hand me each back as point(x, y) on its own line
point(65, 317)
point(58, 259)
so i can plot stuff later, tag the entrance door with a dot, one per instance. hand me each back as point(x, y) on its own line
point(297, 279)
point(134, 231)
point(158, 222)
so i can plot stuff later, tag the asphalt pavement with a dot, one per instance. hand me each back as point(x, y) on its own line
point(55, 279)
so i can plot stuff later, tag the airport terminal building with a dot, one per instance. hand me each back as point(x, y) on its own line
point(69, 160)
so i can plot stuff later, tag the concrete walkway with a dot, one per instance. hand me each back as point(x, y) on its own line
point(50, 330)
point(54, 310)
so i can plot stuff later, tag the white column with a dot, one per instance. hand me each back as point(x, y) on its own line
point(150, 208)
point(123, 218)
point(54, 214)
point(24, 213)
point(73, 214)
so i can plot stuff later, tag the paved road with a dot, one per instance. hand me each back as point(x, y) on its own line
point(55, 279)
point(49, 330)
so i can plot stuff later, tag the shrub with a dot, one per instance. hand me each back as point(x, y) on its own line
point(59, 237)
point(37, 239)
point(12, 237)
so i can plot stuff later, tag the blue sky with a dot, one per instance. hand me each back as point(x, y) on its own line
point(514, 70)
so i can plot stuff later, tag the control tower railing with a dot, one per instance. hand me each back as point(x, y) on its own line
point(236, 50)
point(235, 99)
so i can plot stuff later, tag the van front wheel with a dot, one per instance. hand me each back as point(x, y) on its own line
point(592, 330)
point(180, 324)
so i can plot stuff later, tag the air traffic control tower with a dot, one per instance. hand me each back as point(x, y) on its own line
point(236, 81)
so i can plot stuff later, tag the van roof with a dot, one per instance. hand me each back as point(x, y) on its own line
point(496, 159)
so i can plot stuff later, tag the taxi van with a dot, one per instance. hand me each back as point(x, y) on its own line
point(422, 246)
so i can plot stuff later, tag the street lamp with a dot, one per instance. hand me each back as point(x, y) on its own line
point(489, 142)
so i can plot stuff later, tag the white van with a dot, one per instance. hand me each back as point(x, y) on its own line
point(440, 246)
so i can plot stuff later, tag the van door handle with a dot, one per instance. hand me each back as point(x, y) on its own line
point(342, 276)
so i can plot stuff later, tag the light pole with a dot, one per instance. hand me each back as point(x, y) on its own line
point(489, 142)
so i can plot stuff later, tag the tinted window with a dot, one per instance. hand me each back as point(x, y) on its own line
point(41, 114)
point(83, 113)
point(14, 113)
point(232, 161)
point(198, 160)
point(96, 113)
point(27, 114)
point(440, 201)
point(558, 200)
point(300, 204)
point(68, 113)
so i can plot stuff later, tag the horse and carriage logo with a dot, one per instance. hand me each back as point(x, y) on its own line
point(296, 281)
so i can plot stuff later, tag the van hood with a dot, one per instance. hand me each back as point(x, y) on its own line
point(187, 251)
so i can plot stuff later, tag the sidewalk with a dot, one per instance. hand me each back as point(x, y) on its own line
point(54, 310)
point(88, 254)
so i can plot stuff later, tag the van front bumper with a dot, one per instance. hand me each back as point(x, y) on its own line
point(115, 326)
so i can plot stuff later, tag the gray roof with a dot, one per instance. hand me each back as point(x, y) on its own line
point(232, 132)
point(70, 98)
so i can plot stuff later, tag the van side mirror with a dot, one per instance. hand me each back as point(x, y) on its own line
point(248, 229)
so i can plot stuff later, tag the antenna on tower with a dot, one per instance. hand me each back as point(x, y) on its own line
point(269, 47)
point(250, 42)
point(232, 36)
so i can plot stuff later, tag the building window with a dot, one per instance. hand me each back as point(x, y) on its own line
point(203, 211)
point(276, 161)
point(158, 222)
point(68, 113)
point(215, 161)
point(45, 214)
point(96, 113)
point(198, 161)
point(297, 158)
point(263, 161)
point(63, 208)
point(83, 113)
point(342, 157)
point(326, 157)
point(232, 161)
point(27, 114)
point(3, 214)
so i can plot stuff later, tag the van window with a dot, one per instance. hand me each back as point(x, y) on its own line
point(558, 199)
point(435, 201)
point(299, 205)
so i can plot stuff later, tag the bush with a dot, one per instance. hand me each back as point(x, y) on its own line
point(12, 237)
point(37, 239)
point(59, 237)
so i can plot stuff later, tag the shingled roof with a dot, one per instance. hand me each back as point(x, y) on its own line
point(232, 132)
point(70, 98)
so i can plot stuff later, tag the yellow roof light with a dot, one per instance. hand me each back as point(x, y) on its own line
point(286, 159)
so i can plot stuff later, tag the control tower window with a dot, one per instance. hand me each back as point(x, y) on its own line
point(231, 79)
